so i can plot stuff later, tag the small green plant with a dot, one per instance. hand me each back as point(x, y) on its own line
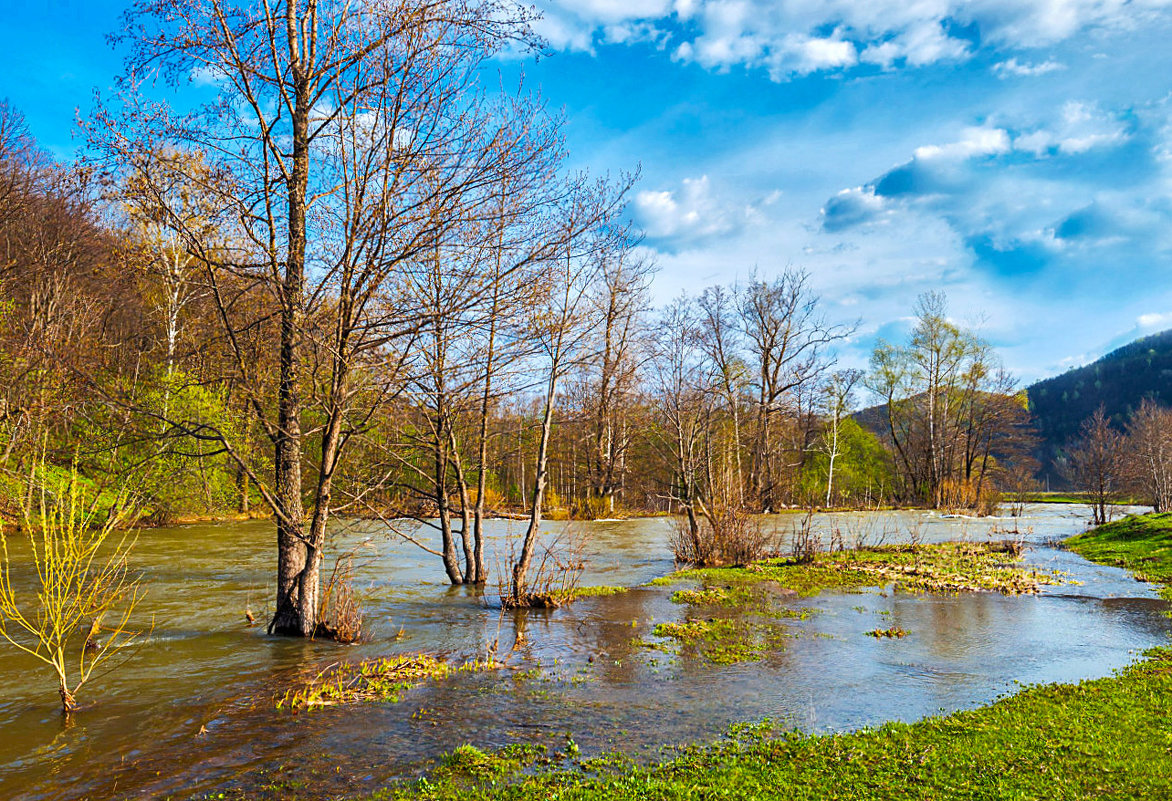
point(70, 605)
point(895, 632)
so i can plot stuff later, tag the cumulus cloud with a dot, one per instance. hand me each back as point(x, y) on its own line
point(693, 212)
point(1023, 198)
point(796, 37)
point(973, 142)
point(580, 24)
point(1080, 127)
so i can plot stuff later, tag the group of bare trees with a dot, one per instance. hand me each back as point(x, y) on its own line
point(738, 378)
point(953, 416)
point(1109, 462)
point(378, 236)
point(315, 265)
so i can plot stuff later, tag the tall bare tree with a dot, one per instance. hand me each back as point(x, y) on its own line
point(341, 141)
point(1096, 463)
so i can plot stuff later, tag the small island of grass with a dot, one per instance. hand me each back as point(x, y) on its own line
point(1101, 738)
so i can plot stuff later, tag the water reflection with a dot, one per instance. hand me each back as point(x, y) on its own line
point(194, 710)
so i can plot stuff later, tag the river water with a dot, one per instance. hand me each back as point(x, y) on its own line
point(193, 710)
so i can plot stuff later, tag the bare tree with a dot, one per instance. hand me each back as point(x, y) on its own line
point(341, 141)
point(837, 393)
point(610, 373)
point(561, 323)
point(1149, 452)
point(1096, 462)
point(682, 399)
point(787, 339)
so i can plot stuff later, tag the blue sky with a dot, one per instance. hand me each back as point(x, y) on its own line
point(1017, 155)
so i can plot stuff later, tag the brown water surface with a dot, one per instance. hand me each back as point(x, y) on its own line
point(193, 711)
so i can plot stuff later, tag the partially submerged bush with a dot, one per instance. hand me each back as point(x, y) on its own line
point(553, 581)
point(80, 586)
point(724, 535)
point(340, 615)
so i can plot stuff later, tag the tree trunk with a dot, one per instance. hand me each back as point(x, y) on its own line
point(521, 568)
point(294, 614)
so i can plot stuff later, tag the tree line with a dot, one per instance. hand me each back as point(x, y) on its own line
point(314, 264)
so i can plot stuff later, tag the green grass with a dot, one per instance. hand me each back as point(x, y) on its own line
point(1107, 738)
point(596, 591)
point(1074, 497)
point(1104, 739)
point(1140, 543)
point(942, 567)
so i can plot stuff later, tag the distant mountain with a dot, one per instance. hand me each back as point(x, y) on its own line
point(1119, 381)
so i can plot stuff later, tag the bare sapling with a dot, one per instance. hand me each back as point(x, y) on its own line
point(553, 577)
point(805, 543)
point(70, 604)
point(340, 615)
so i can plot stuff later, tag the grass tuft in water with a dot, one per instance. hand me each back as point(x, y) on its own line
point(373, 680)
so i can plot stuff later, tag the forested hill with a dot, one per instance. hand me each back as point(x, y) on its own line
point(1119, 381)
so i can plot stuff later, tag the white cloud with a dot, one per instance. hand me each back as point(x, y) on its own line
point(789, 37)
point(1080, 127)
point(690, 212)
point(694, 212)
point(1154, 321)
point(1026, 69)
point(973, 142)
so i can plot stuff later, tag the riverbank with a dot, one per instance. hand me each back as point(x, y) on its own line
point(1102, 738)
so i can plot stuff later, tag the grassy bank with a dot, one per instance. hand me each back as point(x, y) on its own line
point(1076, 497)
point(1104, 738)
point(1139, 543)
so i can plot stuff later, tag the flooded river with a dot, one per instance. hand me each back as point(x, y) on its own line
point(193, 712)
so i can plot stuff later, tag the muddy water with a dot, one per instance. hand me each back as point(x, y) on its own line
point(193, 711)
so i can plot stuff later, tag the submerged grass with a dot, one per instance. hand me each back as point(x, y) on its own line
point(372, 680)
point(937, 567)
point(1099, 739)
point(718, 640)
